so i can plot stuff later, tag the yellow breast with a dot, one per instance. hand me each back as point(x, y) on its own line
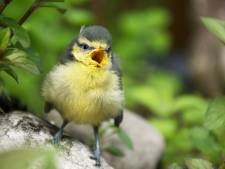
point(83, 94)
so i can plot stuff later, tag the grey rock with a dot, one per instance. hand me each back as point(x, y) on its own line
point(19, 129)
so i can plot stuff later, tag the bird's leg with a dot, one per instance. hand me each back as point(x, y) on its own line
point(97, 147)
point(58, 135)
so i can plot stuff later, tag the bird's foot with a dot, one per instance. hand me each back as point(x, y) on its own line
point(57, 137)
point(96, 157)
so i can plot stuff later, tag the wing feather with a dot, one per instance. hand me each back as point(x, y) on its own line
point(116, 68)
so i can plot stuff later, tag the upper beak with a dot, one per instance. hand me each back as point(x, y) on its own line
point(99, 56)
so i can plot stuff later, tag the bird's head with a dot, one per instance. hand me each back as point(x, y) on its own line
point(93, 47)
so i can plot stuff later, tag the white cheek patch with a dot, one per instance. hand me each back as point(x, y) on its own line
point(78, 54)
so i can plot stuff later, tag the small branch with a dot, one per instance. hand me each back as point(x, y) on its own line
point(4, 4)
point(33, 7)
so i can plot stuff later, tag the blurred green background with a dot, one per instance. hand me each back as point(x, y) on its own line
point(154, 42)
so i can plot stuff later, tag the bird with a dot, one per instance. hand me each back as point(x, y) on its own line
point(85, 87)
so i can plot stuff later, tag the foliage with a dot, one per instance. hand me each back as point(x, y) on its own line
point(195, 163)
point(109, 130)
point(16, 49)
point(41, 47)
point(27, 158)
point(142, 34)
point(179, 117)
point(215, 115)
point(145, 27)
point(215, 26)
point(124, 137)
point(114, 150)
point(204, 140)
point(198, 164)
point(10, 55)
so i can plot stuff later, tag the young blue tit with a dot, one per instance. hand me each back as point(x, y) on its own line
point(86, 86)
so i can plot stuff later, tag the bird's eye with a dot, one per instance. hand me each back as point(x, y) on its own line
point(108, 50)
point(84, 46)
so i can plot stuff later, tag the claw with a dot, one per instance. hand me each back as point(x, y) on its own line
point(57, 137)
point(93, 157)
point(96, 157)
point(98, 164)
point(97, 161)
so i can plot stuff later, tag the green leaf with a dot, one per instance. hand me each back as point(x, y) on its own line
point(19, 33)
point(215, 26)
point(124, 137)
point(21, 36)
point(168, 127)
point(198, 164)
point(20, 59)
point(175, 166)
point(6, 21)
point(191, 107)
point(61, 7)
point(215, 115)
point(10, 72)
point(115, 151)
point(205, 142)
point(187, 102)
point(25, 158)
point(4, 38)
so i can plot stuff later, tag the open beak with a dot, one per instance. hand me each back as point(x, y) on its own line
point(99, 56)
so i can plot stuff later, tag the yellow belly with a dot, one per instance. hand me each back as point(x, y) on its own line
point(82, 94)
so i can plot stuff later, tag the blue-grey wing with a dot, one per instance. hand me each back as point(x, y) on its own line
point(116, 68)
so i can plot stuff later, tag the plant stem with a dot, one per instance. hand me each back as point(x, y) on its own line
point(33, 7)
point(4, 4)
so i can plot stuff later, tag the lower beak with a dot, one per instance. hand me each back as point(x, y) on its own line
point(99, 56)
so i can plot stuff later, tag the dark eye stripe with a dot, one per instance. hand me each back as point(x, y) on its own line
point(108, 50)
point(84, 46)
